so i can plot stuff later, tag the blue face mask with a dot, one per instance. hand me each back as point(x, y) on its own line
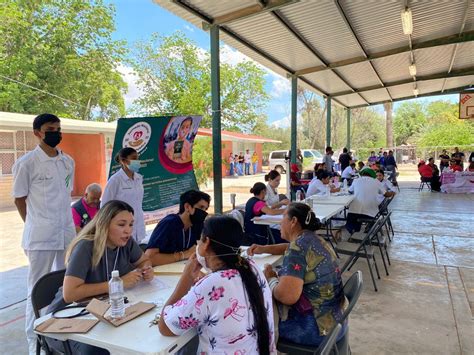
point(134, 165)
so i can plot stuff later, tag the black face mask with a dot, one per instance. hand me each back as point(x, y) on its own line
point(198, 217)
point(52, 138)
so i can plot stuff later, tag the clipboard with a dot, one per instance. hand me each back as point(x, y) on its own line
point(54, 325)
point(99, 308)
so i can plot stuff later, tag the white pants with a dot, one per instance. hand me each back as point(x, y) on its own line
point(41, 263)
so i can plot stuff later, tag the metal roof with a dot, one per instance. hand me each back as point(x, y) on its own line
point(353, 51)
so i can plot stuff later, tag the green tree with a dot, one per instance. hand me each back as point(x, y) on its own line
point(202, 159)
point(409, 119)
point(448, 134)
point(62, 47)
point(175, 79)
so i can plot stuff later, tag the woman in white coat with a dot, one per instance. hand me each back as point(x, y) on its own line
point(127, 185)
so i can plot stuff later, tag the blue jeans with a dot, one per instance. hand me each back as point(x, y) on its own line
point(303, 329)
point(255, 167)
point(231, 169)
point(240, 169)
point(247, 168)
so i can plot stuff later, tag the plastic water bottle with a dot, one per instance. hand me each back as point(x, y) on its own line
point(344, 185)
point(117, 305)
point(298, 196)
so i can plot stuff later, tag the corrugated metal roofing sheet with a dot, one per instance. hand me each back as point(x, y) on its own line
point(328, 34)
point(452, 83)
point(464, 56)
point(271, 36)
point(359, 75)
point(426, 87)
point(376, 95)
point(377, 25)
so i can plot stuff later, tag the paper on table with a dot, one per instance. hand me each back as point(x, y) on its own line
point(53, 325)
point(145, 287)
point(174, 268)
point(270, 217)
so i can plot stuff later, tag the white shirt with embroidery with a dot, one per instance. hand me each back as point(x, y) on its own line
point(218, 307)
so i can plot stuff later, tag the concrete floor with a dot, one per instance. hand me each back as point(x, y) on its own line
point(425, 305)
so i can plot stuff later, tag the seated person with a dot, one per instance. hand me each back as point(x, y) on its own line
point(366, 203)
point(86, 208)
point(427, 175)
point(174, 238)
point(105, 244)
point(320, 185)
point(454, 166)
point(257, 207)
point(349, 173)
point(360, 165)
point(231, 307)
point(471, 166)
point(272, 197)
point(295, 181)
point(309, 285)
point(386, 184)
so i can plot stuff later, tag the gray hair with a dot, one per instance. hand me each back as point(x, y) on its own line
point(94, 187)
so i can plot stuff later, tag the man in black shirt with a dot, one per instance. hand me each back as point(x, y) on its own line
point(459, 157)
point(344, 159)
point(443, 160)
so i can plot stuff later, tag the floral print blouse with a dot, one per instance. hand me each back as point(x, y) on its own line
point(218, 307)
point(313, 260)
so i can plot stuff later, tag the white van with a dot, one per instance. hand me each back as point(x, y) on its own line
point(276, 159)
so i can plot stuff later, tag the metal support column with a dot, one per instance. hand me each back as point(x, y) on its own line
point(294, 101)
point(328, 121)
point(348, 131)
point(216, 119)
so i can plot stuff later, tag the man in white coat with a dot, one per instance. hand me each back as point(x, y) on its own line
point(42, 185)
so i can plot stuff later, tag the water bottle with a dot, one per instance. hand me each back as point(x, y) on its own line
point(117, 305)
point(344, 185)
point(298, 196)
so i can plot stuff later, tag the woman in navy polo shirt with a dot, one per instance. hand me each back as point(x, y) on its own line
point(174, 238)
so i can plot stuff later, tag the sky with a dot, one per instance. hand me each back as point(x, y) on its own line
point(136, 20)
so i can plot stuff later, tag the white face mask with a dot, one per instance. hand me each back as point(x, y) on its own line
point(202, 260)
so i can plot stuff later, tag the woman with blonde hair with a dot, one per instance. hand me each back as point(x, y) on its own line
point(105, 244)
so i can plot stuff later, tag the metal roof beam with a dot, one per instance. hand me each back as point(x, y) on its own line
point(442, 75)
point(292, 29)
point(443, 41)
point(352, 31)
point(434, 93)
point(252, 10)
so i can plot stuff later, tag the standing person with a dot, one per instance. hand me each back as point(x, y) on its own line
point(327, 160)
point(255, 162)
point(382, 160)
point(236, 165)
point(241, 164)
point(344, 159)
point(247, 158)
point(174, 238)
point(372, 159)
point(127, 185)
point(391, 164)
point(458, 157)
point(443, 160)
point(84, 209)
point(231, 164)
point(42, 184)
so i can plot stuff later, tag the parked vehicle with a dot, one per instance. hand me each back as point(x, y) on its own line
point(276, 159)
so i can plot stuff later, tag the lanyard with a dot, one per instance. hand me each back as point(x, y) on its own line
point(107, 262)
point(189, 239)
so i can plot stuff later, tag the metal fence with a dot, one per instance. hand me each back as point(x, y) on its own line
point(13, 145)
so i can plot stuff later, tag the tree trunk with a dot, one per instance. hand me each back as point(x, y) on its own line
point(389, 123)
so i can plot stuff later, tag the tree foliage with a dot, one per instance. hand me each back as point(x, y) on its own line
point(432, 124)
point(63, 47)
point(175, 78)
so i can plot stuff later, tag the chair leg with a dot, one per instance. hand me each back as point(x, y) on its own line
point(382, 256)
point(371, 272)
point(376, 267)
point(38, 347)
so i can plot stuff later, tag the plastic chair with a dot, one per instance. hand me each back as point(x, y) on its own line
point(352, 290)
point(42, 295)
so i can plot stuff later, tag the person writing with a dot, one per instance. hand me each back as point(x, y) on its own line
point(84, 209)
point(127, 185)
point(320, 184)
point(256, 207)
point(308, 286)
point(42, 183)
point(174, 238)
point(105, 244)
point(179, 150)
point(271, 197)
point(231, 307)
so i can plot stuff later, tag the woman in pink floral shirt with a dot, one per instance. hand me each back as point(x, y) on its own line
point(230, 307)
